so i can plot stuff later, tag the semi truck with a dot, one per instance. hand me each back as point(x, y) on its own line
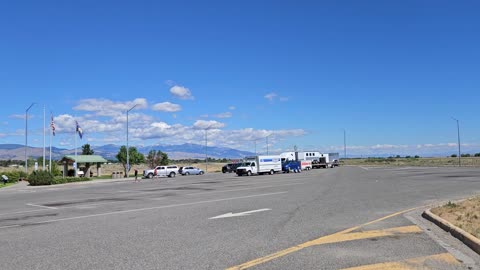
point(291, 166)
point(260, 165)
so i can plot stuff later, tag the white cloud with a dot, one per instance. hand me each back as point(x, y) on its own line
point(181, 92)
point(20, 116)
point(231, 108)
point(109, 108)
point(223, 115)
point(273, 96)
point(203, 124)
point(270, 96)
point(167, 107)
point(161, 125)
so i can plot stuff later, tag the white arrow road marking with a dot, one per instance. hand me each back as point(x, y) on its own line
point(241, 214)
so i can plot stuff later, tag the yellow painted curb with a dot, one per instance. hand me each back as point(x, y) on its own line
point(468, 239)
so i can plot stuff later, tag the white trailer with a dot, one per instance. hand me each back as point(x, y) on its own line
point(260, 165)
point(306, 164)
point(307, 155)
point(331, 159)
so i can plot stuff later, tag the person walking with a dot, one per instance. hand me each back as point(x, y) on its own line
point(136, 174)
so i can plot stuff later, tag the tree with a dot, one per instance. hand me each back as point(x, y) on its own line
point(477, 154)
point(453, 155)
point(155, 158)
point(417, 156)
point(86, 150)
point(133, 155)
point(465, 155)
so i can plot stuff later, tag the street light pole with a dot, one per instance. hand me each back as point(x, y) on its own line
point(128, 157)
point(344, 144)
point(206, 147)
point(26, 137)
point(458, 138)
point(267, 143)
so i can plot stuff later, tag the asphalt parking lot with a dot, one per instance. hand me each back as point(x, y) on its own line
point(341, 218)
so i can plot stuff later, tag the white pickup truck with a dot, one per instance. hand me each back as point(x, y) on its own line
point(170, 171)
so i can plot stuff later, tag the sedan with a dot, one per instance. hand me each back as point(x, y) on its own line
point(191, 170)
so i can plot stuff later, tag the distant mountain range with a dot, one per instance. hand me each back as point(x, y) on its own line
point(109, 151)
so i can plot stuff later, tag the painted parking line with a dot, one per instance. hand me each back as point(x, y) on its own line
point(22, 212)
point(415, 263)
point(41, 206)
point(241, 189)
point(151, 208)
point(342, 235)
point(333, 238)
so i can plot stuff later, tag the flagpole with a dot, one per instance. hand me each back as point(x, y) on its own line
point(75, 136)
point(50, 154)
point(44, 137)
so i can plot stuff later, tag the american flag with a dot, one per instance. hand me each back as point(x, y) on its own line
point(52, 125)
point(79, 130)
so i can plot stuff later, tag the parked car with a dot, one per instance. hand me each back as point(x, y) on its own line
point(230, 167)
point(191, 170)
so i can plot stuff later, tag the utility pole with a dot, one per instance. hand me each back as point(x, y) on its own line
point(458, 138)
point(344, 144)
point(128, 157)
point(26, 137)
point(206, 154)
point(267, 143)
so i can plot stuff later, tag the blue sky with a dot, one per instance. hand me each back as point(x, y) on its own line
point(391, 73)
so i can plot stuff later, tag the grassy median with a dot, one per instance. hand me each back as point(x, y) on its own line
point(464, 214)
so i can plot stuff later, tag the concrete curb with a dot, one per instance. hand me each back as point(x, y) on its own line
point(468, 239)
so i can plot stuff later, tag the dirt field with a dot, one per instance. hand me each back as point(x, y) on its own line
point(465, 215)
point(107, 169)
point(426, 162)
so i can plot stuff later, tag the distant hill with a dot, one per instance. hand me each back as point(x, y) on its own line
point(109, 151)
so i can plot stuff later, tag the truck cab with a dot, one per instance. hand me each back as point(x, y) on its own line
point(247, 168)
point(291, 166)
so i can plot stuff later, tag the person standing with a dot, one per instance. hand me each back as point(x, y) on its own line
point(136, 174)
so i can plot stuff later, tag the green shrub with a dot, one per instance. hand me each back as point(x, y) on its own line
point(451, 204)
point(61, 180)
point(40, 178)
point(15, 176)
point(55, 169)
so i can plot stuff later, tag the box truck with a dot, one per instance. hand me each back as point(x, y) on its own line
point(260, 165)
